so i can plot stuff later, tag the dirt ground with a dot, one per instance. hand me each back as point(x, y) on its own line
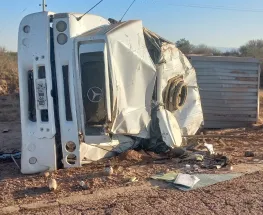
point(239, 196)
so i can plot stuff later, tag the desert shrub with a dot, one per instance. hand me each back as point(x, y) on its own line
point(8, 72)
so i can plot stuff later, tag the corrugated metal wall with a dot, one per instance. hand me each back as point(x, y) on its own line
point(229, 90)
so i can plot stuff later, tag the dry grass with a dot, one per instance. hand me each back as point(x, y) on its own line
point(8, 72)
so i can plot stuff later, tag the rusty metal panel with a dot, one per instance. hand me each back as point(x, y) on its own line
point(229, 90)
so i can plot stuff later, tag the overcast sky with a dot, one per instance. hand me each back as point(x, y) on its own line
point(218, 23)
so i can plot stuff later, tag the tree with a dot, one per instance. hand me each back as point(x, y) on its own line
point(253, 48)
point(233, 52)
point(206, 50)
point(184, 45)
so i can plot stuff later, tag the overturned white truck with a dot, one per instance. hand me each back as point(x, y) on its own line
point(91, 88)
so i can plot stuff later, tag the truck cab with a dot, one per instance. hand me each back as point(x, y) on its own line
point(46, 78)
point(90, 89)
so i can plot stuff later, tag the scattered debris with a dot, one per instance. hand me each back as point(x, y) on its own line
point(133, 179)
point(195, 157)
point(52, 184)
point(215, 161)
point(108, 170)
point(209, 179)
point(249, 154)
point(170, 176)
point(9, 156)
point(210, 148)
point(83, 185)
point(199, 157)
point(186, 180)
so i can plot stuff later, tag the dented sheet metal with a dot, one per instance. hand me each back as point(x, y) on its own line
point(99, 149)
point(135, 76)
point(170, 129)
point(142, 65)
point(173, 63)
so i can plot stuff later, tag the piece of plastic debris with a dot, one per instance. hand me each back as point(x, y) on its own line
point(188, 166)
point(83, 185)
point(170, 176)
point(210, 148)
point(199, 157)
point(215, 161)
point(133, 179)
point(256, 160)
point(52, 184)
point(195, 157)
point(108, 170)
point(186, 180)
point(249, 154)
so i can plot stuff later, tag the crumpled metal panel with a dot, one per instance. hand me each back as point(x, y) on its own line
point(190, 115)
point(135, 76)
point(137, 57)
point(229, 88)
point(170, 129)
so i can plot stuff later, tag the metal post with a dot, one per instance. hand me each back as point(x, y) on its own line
point(44, 5)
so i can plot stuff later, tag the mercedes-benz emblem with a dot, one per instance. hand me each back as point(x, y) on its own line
point(94, 94)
